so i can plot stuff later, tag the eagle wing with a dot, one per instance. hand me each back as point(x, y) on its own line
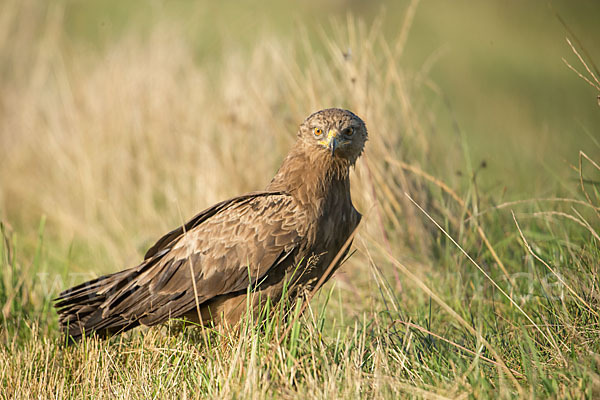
point(224, 249)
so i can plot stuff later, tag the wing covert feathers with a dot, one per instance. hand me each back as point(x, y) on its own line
point(224, 249)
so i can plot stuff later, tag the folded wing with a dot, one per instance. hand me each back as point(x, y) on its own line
point(224, 249)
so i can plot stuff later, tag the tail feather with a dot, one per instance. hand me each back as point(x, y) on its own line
point(92, 307)
point(80, 309)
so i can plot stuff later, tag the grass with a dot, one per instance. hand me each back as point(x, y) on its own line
point(454, 289)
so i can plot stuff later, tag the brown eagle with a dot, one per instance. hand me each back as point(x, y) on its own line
point(204, 270)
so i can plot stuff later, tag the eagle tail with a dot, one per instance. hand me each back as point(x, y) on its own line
point(80, 310)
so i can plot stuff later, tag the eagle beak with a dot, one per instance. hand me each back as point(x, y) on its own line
point(332, 141)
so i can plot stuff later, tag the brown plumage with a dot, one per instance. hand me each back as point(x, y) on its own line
point(290, 232)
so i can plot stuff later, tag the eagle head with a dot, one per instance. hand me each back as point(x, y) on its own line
point(336, 132)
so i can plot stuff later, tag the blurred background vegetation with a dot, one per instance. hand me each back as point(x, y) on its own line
point(497, 64)
point(493, 70)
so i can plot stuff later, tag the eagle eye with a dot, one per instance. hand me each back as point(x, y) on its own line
point(348, 131)
point(318, 132)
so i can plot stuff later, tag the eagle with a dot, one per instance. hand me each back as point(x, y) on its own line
point(261, 244)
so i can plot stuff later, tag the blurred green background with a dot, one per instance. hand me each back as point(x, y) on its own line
point(497, 65)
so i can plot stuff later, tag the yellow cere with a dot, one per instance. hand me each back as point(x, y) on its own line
point(330, 135)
